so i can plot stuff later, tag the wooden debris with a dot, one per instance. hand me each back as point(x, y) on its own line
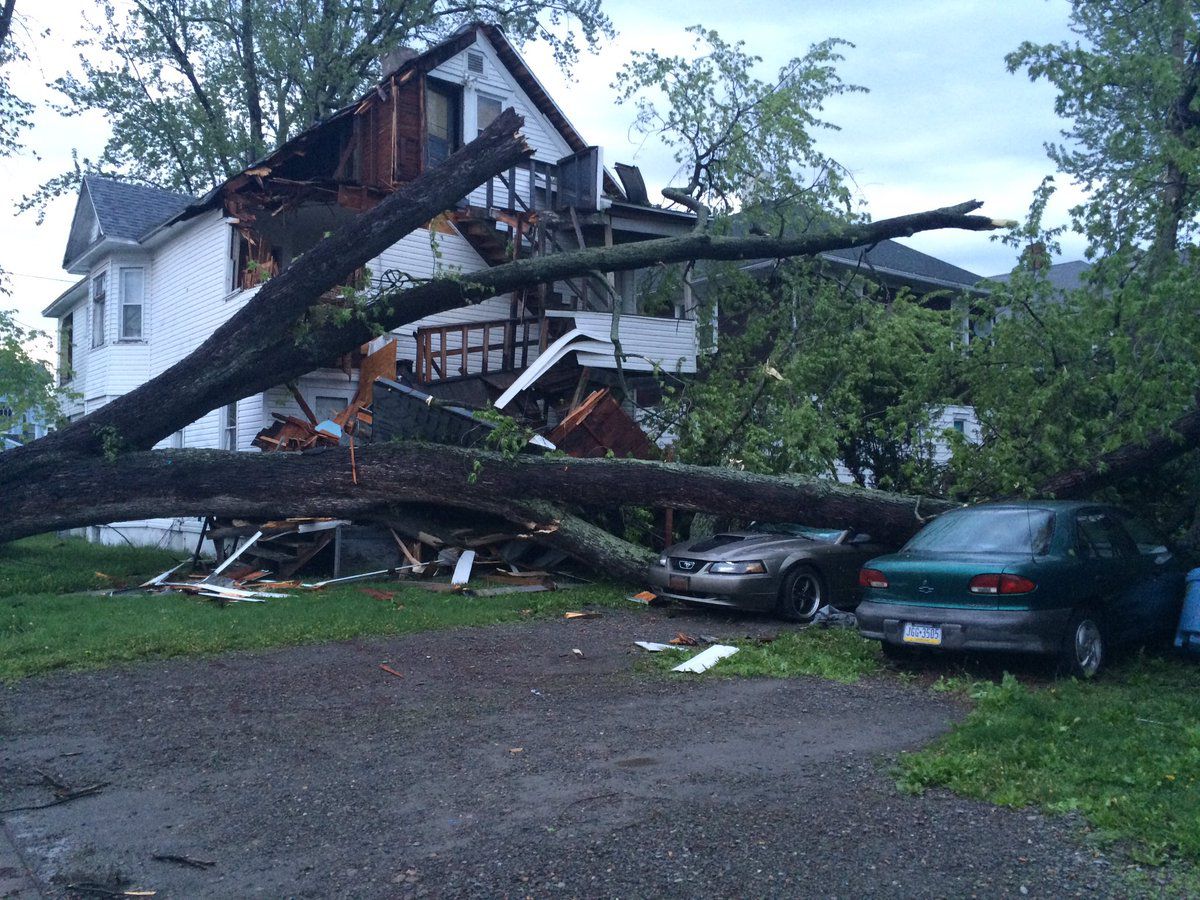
point(598, 427)
point(581, 615)
point(684, 640)
point(65, 795)
point(184, 860)
point(391, 671)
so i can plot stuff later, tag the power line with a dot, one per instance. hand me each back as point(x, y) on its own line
point(42, 277)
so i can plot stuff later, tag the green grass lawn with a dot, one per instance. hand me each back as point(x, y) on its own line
point(47, 624)
point(1123, 750)
point(837, 654)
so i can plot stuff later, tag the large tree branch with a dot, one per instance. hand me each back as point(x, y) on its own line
point(1129, 459)
point(206, 482)
point(234, 362)
point(403, 306)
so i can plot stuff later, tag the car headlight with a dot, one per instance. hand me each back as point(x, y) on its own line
point(743, 567)
point(662, 561)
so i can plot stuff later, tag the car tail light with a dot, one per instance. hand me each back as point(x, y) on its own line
point(1000, 584)
point(872, 578)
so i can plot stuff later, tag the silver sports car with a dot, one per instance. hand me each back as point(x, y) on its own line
point(793, 570)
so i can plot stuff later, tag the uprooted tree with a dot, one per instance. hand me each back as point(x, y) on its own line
point(101, 468)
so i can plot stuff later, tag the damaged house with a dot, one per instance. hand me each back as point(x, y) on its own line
point(159, 271)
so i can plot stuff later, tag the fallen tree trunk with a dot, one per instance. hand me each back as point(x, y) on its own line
point(1126, 460)
point(209, 482)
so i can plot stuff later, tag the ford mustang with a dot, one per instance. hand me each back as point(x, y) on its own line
point(792, 570)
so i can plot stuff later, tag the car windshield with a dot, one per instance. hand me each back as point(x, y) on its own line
point(791, 529)
point(988, 531)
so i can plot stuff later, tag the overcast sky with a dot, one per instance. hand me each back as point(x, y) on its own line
point(943, 120)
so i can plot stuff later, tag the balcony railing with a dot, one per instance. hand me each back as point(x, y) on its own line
point(469, 348)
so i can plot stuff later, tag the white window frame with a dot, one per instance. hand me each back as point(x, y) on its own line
point(123, 302)
point(480, 96)
point(97, 317)
point(229, 426)
point(66, 348)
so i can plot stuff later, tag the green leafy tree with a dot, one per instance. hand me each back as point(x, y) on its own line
point(1129, 86)
point(195, 89)
point(26, 382)
point(738, 140)
point(822, 375)
point(815, 373)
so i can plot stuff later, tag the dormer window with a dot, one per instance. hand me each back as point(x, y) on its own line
point(99, 306)
point(443, 121)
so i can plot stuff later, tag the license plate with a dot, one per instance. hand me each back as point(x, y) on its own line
point(922, 634)
point(677, 582)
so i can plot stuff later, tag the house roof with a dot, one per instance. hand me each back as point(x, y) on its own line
point(110, 210)
point(422, 63)
point(68, 298)
point(893, 258)
point(129, 211)
point(1065, 276)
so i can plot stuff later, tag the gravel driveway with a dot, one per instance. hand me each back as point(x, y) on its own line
point(502, 764)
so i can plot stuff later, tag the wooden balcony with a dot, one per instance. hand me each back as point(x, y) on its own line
point(471, 348)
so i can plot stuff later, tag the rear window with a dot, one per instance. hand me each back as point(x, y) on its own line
point(988, 531)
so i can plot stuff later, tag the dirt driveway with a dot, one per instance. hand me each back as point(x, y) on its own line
point(502, 764)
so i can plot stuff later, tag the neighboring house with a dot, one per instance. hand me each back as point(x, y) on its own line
point(160, 271)
point(941, 285)
point(935, 282)
point(18, 430)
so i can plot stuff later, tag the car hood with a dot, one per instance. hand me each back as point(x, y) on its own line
point(743, 545)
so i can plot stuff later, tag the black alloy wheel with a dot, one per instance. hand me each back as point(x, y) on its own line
point(801, 594)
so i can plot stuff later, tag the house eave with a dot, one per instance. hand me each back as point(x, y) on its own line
point(82, 263)
point(64, 301)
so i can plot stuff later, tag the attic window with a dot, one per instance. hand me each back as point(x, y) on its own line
point(443, 122)
point(255, 261)
point(475, 62)
point(66, 348)
point(487, 110)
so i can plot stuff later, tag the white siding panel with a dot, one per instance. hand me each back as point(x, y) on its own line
point(496, 81)
point(667, 343)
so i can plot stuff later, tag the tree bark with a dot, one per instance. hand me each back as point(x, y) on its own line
point(1126, 460)
point(239, 358)
point(160, 483)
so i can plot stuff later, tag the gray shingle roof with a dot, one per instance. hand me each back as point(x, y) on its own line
point(131, 211)
point(901, 260)
point(1065, 276)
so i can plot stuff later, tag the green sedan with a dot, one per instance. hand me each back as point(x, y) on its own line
point(1068, 579)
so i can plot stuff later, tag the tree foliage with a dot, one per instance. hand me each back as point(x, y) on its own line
point(195, 89)
point(26, 382)
point(739, 140)
point(820, 373)
point(1129, 87)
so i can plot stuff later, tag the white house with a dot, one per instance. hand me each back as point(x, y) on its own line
point(160, 271)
